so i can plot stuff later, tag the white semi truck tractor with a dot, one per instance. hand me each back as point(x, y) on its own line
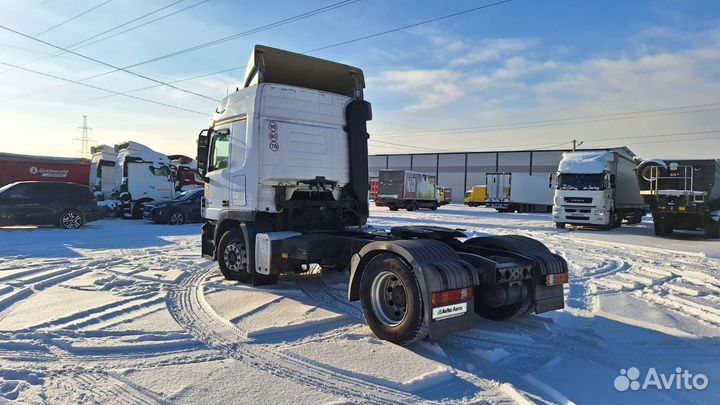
point(597, 188)
point(286, 185)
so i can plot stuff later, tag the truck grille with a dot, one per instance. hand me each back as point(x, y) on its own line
point(579, 200)
point(574, 217)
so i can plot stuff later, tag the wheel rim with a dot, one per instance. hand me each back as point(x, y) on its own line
point(71, 220)
point(176, 218)
point(389, 298)
point(235, 257)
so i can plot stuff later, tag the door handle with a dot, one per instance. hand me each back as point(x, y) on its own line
point(226, 203)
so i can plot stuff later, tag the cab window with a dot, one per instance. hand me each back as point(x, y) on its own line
point(160, 170)
point(220, 150)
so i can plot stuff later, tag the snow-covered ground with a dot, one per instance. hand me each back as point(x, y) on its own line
point(126, 312)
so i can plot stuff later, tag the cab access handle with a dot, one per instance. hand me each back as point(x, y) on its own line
point(225, 203)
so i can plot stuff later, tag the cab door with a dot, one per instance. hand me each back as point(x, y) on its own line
point(217, 179)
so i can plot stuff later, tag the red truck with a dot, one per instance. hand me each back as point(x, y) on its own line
point(14, 167)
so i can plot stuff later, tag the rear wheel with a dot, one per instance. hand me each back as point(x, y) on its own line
point(394, 208)
point(391, 300)
point(176, 218)
point(412, 207)
point(71, 219)
point(232, 256)
point(662, 226)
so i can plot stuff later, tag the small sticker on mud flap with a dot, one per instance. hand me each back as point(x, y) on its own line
point(449, 311)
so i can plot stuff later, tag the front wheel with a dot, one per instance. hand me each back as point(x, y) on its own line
point(71, 219)
point(434, 207)
point(391, 301)
point(560, 225)
point(233, 256)
point(412, 207)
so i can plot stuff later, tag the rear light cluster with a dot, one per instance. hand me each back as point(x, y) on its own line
point(555, 279)
point(452, 296)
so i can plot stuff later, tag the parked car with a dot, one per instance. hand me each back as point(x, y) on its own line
point(182, 209)
point(65, 205)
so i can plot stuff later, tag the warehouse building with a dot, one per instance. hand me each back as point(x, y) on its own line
point(460, 171)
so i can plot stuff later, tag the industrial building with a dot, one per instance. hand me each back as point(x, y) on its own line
point(460, 171)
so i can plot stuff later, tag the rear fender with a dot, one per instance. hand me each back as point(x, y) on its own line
point(436, 266)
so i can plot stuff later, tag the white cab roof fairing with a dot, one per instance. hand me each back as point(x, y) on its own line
point(271, 65)
point(141, 151)
point(585, 162)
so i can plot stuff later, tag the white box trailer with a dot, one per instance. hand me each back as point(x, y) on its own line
point(521, 192)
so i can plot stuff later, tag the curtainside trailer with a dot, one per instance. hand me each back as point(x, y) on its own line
point(285, 165)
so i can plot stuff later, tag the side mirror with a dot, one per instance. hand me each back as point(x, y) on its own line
point(611, 180)
point(551, 180)
point(203, 148)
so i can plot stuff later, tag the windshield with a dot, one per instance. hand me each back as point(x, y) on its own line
point(569, 181)
point(186, 195)
point(5, 187)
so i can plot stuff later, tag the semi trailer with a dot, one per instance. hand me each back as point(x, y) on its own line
point(521, 192)
point(597, 188)
point(406, 189)
point(682, 194)
point(285, 165)
point(14, 167)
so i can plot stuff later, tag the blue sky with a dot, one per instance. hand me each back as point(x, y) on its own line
point(518, 75)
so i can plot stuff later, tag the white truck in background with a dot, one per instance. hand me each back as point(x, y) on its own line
point(521, 192)
point(141, 176)
point(102, 171)
point(597, 188)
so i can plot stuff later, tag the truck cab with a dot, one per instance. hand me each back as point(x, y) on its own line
point(596, 188)
point(285, 166)
point(141, 176)
point(102, 171)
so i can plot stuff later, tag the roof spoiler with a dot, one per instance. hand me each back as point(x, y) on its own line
point(271, 65)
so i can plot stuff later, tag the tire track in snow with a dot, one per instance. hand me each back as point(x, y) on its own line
point(189, 309)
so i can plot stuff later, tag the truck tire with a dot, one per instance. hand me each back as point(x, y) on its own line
point(636, 217)
point(662, 226)
point(391, 300)
point(434, 206)
point(413, 206)
point(560, 225)
point(71, 219)
point(232, 256)
point(394, 208)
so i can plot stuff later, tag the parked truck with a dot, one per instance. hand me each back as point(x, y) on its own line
point(285, 165)
point(141, 176)
point(444, 195)
point(15, 167)
point(406, 189)
point(476, 196)
point(597, 188)
point(518, 192)
point(102, 171)
point(682, 194)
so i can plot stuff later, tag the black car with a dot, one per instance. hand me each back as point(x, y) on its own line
point(183, 209)
point(66, 205)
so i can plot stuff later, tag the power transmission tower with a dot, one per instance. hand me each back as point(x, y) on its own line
point(84, 138)
point(576, 144)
